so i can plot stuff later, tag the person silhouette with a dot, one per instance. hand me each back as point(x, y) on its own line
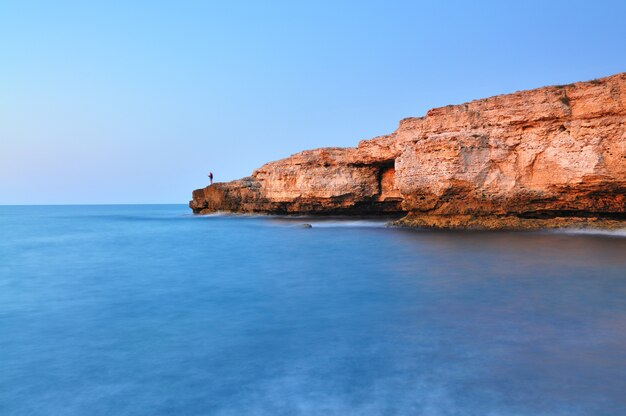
point(211, 177)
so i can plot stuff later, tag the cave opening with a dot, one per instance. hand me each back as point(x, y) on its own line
point(387, 190)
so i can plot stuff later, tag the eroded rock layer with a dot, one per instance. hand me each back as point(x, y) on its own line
point(553, 152)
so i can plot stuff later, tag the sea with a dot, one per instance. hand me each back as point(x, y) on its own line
point(149, 310)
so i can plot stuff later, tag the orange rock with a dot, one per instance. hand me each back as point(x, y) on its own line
point(553, 152)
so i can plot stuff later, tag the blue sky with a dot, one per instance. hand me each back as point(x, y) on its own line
point(134, 102)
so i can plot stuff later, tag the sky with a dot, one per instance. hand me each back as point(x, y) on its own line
point(135, 102)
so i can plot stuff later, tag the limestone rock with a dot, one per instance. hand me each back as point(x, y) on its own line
point(553, 152)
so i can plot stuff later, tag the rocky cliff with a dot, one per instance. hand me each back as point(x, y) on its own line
point(545, 157)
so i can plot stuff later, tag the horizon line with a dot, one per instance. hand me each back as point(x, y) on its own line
point(91, 204)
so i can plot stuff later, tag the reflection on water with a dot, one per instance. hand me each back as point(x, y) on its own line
point(144, 310)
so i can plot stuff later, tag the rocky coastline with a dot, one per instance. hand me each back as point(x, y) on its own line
point(544, 158)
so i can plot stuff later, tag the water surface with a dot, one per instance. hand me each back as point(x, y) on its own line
point(146, 310)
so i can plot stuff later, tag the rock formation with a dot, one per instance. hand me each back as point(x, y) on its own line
point(544, 157)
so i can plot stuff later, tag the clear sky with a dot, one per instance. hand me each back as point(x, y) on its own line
point(135, 101)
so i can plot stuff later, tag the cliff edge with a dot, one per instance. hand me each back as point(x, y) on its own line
point(547, 157)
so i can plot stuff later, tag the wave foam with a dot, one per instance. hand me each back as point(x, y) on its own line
point(348, 223)
point(590, 231)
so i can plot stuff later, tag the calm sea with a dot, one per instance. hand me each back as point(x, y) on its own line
point(147, 310)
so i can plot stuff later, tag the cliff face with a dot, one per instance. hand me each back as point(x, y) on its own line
point(553, 152)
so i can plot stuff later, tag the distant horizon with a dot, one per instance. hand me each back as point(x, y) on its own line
point(90, 204)
point(109, 104)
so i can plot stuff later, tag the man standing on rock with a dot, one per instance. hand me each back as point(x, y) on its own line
point(211, 177)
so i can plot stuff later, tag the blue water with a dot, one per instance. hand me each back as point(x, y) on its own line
point(147, 310)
